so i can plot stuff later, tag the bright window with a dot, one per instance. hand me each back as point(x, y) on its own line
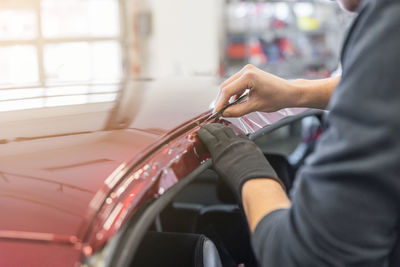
point(59, 52)
point(18, 66)
point(80, 18)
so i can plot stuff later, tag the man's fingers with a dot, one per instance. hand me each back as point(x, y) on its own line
point(222, 100)
point(238, 110)
point(237, 87)
point(227, 82)
point(234, 77)
point(217, 130)
point(229, 132)
point(207, 137)
point(231, 79)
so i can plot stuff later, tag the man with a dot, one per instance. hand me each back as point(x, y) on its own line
point(345, 208)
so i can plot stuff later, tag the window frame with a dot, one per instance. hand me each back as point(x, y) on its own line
point(39, 43)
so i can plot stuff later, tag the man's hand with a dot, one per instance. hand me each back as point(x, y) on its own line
point(236, 159)
point(270, 93)
point(267, 92)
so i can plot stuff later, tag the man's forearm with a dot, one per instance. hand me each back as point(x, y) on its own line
point(314, 93)
point(260, 197)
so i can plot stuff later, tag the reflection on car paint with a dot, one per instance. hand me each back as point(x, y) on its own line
point(40, 237)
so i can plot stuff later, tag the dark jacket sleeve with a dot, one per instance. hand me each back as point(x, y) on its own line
point(345, 209)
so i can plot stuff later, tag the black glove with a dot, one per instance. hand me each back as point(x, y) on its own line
point(236, 159)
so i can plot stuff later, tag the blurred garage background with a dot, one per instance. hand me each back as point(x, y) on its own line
point(63, 52)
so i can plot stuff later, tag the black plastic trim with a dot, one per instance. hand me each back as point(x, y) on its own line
point(286, 121)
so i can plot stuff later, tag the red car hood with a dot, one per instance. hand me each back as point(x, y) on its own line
point(58, 165)
point(54, 161)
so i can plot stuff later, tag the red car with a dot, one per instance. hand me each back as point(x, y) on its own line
point(125, 187)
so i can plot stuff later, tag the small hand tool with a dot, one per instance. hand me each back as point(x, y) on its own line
point(219, 112)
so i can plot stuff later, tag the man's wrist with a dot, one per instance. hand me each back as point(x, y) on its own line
point(313, 93)
point(260, 197)
point(299, 93)
point(257, 181)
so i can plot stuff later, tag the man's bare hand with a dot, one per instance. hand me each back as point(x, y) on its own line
point(269, 93)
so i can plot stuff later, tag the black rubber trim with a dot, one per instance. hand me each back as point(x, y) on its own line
point(134, 231)
point(286, 121)
point(198, 259)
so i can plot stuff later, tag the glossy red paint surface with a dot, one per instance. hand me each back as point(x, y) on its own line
point(54, 162)
point(21, 254)
point(68, 182)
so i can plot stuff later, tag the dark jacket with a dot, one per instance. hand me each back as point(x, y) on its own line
point(345, 209)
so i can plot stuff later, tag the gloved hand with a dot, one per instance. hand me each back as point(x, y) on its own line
point(235, 158)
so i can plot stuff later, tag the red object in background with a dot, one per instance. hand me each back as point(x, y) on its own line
point(278, 24)
point(237, 51)
point(256, 53)
point(286, 46)
point(255, 48)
